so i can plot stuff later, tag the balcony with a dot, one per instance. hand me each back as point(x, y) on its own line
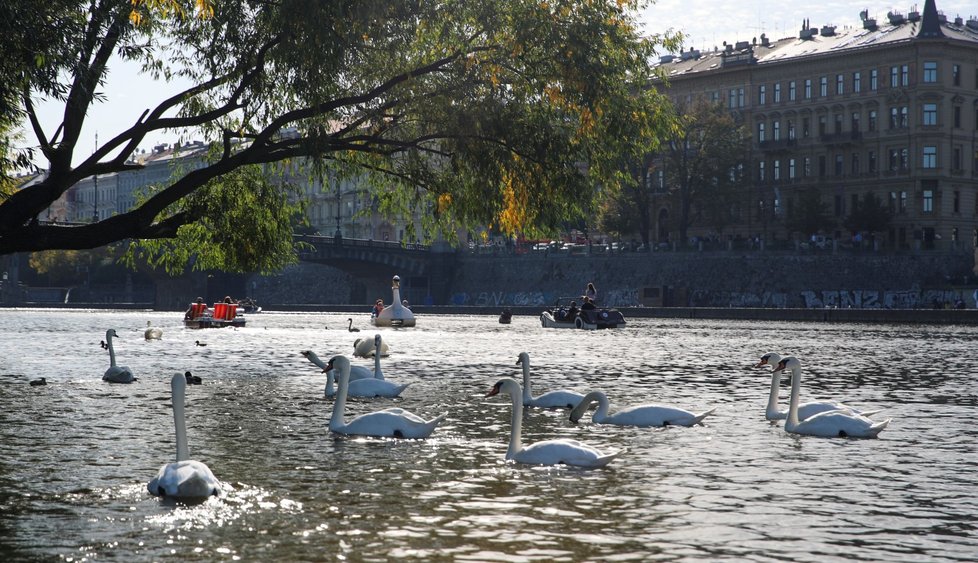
point(779, 145)
point(844, 138)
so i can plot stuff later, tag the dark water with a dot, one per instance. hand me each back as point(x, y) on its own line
point(75, 455)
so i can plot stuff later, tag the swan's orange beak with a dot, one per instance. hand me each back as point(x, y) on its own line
point(493, 391)
point(761, 363)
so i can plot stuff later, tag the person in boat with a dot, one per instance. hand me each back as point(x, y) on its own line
point(590, 292)
point(572, 311)
point(404, 303)
point(196, 309)
point(588, 304)
point(227, 299)
point(378, 307)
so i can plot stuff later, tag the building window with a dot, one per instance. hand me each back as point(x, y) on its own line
point(840, 205)
point(791, 129)
point(806, 127)
point(857, 82)
point(874, 80)
point(777, 170)
point(904, 117)
point(930, 157)
point(760, 171)
point(894, 117)
point(838, 123)
point(928, 201)
point(894, 160)
point(855, 164)
point(855, 122)
point(761, 94)
point(871, 162)
point(807, 166)
point(840, 85)
point(956, 113)
point(956, 202)
point(821, 166)
point(791, 91)
point(894, 76)
point(777, 92)
point(956, 75)
point(930, 114)
point(903, 202)
point(808, 88)
point(905, 75)
point(930, 72)
point(776, 130)
point(839, 164)
point(760, 132)
point(823, 86)
point(732, 98)
point(871, 125)
point(904, 159)
point(956, 160)
point(791, 169)
point(821, 125)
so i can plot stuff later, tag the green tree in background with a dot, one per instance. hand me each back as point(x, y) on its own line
point(499, 112)
point(810, 215)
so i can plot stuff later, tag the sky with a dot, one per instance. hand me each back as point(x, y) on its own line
point(707, 23)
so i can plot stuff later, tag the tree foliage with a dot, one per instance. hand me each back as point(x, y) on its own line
point(699, 159)
point(504, 113)
point(810, 215)
point(870, 215)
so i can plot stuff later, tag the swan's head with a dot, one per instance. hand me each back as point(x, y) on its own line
point(523, 358)
point(355, 343)
point(769, 359)
point(111, 333)
point(377, 341)
point(504, 385)
point(338, 363)
point(396, 281)
point(790, 362)
point(312, 357)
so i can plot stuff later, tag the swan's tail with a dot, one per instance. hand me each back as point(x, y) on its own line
point(875, 429)
point(868, 414)
point(606, 459)
point(699, 418)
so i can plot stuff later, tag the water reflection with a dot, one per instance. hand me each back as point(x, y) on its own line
point(77, 453)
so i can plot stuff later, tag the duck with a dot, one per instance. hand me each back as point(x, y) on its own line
point(352, 328)
point(546, 452)
point(193, 379)
point(830, 424)
point(560, 399)
point(37, 382)
point(638, 415)
point(103, 344)
point(152, 332)
point(356, 372)
point(805, 410)
point(387, 423)
point(115, 373)
point(185, 479)
point(199, 343)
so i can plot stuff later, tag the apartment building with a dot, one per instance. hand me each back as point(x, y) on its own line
point(888, 108)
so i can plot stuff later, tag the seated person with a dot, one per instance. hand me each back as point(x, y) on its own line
point(588, 305)
point(572, 312)
point(378, 307)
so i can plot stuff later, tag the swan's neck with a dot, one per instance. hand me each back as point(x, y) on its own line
point(603, 405)
point(108, 342)
point(772, 400)
point(339, 402)
point(396, 305)
point(180, 421)
point(329, 384)
point(378, 374)
point(527, 392)
point(792, 420)
point(516, 432)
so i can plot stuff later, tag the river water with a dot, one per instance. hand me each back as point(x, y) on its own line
point(76, 455)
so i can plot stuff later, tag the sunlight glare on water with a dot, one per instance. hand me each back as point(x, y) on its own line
point(77, 454)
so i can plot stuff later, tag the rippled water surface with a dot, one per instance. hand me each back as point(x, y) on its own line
point(76, 455)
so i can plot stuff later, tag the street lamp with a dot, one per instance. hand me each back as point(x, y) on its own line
point(338, 235)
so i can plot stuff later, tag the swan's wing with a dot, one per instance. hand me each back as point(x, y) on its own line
point(567, 452)
point(387, 424)
point(654, 415)
point(187, 479)
point(561, 399)
point(359, 372)
point(834, 424)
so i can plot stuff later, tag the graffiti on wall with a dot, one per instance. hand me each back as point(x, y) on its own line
point(612, 298)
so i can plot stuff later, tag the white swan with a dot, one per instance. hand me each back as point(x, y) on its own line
point(364, 347)
point(387, 423)
point(831, 424)
point(547, 452)
point(115, 374)
point(561, 399)
point(152, 332)
point(805, 410)
point(638, 415)
point(184, 479)
point(369, 386)
point(356, 372)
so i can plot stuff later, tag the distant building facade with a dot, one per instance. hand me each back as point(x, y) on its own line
point(890, 108)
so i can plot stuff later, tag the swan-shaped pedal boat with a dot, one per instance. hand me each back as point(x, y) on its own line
point(115, 373)
point(805, 410)
point(546, 452)
point(560, 399)
point(395, 314)
point(638, 415)
point(831, 424)
point(387, 423)
point(185, 479)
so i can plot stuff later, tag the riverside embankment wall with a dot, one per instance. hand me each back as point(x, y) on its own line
point(697, 280)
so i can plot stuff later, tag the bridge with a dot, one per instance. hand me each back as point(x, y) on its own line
point(418, 264)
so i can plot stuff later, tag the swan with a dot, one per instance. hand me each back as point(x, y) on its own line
point(115, 374)
point(184, 479)
point(561, 399)
point(152, 332)
point(351, 328)
point(547, 452)
point(193, 379)
point(366, 387)
point(805, 410)
point(829, 424)
point(387, 423)
point(356, 372)
point(364, 347)
point(38, 381)
point(638, 415)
